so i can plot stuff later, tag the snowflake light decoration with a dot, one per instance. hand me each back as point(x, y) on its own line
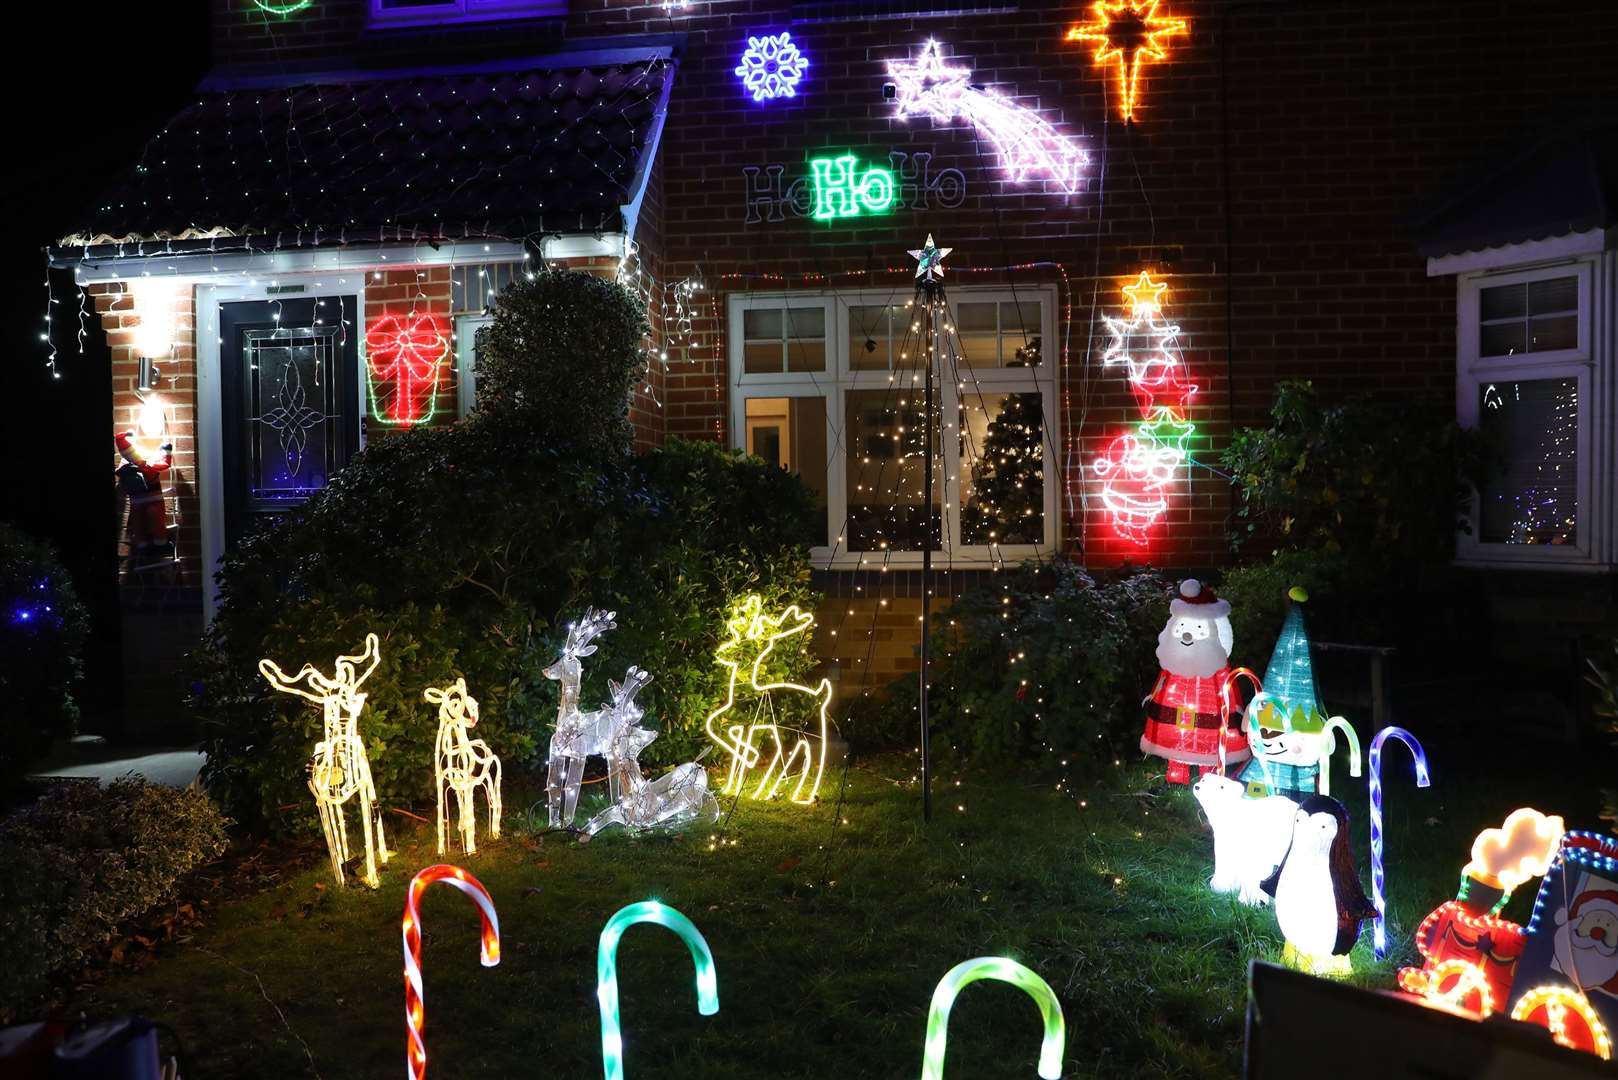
point(772, 66)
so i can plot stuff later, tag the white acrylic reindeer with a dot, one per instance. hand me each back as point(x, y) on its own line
point(462, 765)
point(578, 734)
point(339, 769)
point(678, 796)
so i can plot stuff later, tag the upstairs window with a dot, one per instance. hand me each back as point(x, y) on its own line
point(429, 12)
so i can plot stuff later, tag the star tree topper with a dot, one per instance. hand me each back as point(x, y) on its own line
point(929, 261)
point(1126, 33)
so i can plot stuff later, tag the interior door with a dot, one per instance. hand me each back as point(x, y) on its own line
point(289, 409)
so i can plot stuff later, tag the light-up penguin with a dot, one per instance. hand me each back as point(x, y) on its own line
point(1319, 902)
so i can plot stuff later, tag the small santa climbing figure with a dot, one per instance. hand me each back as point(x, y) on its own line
point(1193, 716)
point(141, 479)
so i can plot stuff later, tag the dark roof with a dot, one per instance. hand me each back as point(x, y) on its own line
point(507, 150)
point(1544, 185)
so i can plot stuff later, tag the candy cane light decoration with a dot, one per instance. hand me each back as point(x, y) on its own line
point(488, 951)
point(1378, 876)
point(1328, 747)
point(612, 1040)
point(1028, 145)
point(1000, 968)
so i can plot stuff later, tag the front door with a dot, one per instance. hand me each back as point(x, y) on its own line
point(289, 409)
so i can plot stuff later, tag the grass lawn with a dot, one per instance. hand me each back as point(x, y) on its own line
point(828, 937)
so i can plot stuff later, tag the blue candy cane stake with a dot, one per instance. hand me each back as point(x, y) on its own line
point(1378, 877)
point(612, 1040)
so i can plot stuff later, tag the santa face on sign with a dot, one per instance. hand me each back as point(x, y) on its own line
point(1587, 939)
point(1195, 645)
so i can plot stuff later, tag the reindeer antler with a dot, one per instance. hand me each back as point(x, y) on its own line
point(586, 630)
point(348, 667)
point(635, 680)
point(318, 684)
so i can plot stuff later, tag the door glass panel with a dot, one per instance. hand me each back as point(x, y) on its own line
point(293, 416)
point(1534, 426)
point(1002, 469)
point(790, 433)
point(886, 463)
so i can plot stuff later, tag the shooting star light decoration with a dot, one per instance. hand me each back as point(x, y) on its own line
point(1028, 145)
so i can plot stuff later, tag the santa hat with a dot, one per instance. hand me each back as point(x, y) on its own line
point(1599, 896)
point(1197, 601)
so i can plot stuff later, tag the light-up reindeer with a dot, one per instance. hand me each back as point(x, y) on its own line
point(748, 625)
point(462, 765)
point(578, 734)
point(678, 796)
point(339, 769)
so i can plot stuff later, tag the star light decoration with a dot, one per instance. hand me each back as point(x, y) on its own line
point(1027, 144)
point(404, 354)
point(1126, 33)
point(1138, 467)
point(930, 260)
point(772, 66)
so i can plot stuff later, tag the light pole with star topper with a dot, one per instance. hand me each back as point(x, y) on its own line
point(929, 303)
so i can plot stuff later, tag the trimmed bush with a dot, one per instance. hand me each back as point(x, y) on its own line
point(1605, 680)
point(83, 861)
point(42, 632)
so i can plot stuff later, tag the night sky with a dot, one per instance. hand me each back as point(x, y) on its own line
point(101, 80)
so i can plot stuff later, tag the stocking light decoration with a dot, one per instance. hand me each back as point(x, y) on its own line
point(1319, 902)
point(404, 357)
point(678, 797)
point(612, 1039)
point(1127, 33)
point(751, 637)
point(339, 770)
point(463, 765)
point(1001, 969)
point(1029, 147)
point(1139, 468)
point(1469, 954)
point(578, 734)
point(488, 952)
point(1192, 712)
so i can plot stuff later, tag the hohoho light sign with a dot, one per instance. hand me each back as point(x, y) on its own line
point(830, 177)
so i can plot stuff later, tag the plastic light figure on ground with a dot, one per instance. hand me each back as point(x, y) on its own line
point(1192, 708)
point(1251, 836)
point(578, 734)
point(488, 951)
point(1028, 145)
point(339, 769)
point(1378, 875)
point(1140, 41)
point(1328, 747)
point(772, 66)
point(1319, 903)
point(462, 765)
point(612, 1041)
point(748, 626)
point(404, 357)
point(1000, 968)
point(678, 797)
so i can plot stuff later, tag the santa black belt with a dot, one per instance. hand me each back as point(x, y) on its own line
point(1183, 718)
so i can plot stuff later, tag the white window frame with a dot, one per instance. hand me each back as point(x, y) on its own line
point(461, 11)
point(466, 379)
point(839, 376)
point(1594, 386)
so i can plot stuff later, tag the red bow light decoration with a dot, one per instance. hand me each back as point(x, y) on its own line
point(404, 354)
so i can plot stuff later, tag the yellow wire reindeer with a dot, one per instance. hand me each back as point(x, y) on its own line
point(742, 741)
point(462, 765)
point(339, 769)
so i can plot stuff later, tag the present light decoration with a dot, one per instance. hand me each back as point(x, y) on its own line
point(1469, 954)
point(771, 66)
point(1001, 969)
point(488, 952)
point(404, 358)
point(1028, 145)
point(1127, 33)
point(1139, 467)
point(1378, 875)
point(612, 1040)
point(340, 770)
point(759, 740)
point(678, 797)
point(462, 766)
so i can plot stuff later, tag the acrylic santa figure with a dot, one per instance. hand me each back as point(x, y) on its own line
point(1193, 715)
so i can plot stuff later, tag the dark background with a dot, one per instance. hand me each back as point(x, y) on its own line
point(115, 72)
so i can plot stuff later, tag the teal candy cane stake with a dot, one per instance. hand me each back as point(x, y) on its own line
point(612, 1040)
point(1004, 970)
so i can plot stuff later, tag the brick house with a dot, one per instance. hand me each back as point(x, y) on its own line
point(1381, 196)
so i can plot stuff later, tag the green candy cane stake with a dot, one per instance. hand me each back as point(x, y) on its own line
point(612, 1040)
point(994, 967)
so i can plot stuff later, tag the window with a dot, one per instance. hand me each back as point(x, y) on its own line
point(831, 387)
point(423, 12)
point(1529, 380)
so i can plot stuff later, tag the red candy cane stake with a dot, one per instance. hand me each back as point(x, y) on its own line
point(489, 952)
